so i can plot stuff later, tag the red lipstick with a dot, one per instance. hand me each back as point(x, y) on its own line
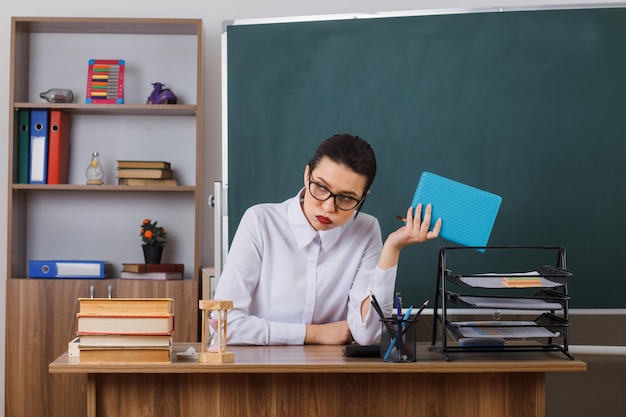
point(323, 220)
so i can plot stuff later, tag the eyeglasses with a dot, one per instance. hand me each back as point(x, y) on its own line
point(342, 202)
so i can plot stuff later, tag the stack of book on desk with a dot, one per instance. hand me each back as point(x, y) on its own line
point(125, 329)
point(152, 271)
point(145, 173)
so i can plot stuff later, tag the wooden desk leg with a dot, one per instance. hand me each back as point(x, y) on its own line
point(91, 395)
point(541, 394)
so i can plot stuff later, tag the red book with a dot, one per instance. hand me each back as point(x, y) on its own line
point(153, 267)
point(58, 147)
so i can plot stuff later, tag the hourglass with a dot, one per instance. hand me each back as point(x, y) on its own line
point(214, 318)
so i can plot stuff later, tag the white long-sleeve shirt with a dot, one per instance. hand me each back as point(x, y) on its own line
point(282, 274)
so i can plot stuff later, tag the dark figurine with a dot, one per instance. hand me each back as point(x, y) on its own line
point(161, 95)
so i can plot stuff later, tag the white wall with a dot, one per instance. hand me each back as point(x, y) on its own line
point(213, 14)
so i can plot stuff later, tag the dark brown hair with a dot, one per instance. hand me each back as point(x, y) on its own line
point(350, 151)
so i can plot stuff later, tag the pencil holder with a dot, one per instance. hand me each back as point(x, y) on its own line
point(405, 331)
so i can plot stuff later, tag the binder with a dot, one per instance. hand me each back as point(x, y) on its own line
point(58, 147)
point(467, 213)
point(23, 146)
point(66, 269)
point(38, 147)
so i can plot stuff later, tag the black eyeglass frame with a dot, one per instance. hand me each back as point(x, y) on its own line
point(359, 201)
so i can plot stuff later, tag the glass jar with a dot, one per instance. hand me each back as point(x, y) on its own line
point(57, 95)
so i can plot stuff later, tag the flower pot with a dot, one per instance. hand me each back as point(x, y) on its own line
point(152, 254)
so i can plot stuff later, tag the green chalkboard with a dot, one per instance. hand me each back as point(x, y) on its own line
point(529, 105)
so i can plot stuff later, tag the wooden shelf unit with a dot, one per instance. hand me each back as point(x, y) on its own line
point(76, 221)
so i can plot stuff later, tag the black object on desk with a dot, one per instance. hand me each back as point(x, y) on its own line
point(359, 351)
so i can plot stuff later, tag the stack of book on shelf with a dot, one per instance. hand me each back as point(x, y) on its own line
point(152, 271)
point(125, 329)
point(145, 173)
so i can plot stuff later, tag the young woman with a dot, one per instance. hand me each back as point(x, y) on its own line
point(301, 271)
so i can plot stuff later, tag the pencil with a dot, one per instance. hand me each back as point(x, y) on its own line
point(417, 315)
point(421, 309)
point(399, 338)
point(380, 312)
point(400, 218)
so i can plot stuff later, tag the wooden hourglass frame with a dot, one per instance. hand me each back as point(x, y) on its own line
point(219, 355)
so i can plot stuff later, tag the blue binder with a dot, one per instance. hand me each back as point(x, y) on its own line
point(38, 147)
point(467, 213)
point(66, 269)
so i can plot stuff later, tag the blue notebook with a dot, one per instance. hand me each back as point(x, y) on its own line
point(467, 213)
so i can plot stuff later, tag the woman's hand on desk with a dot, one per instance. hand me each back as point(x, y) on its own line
point(336, 333)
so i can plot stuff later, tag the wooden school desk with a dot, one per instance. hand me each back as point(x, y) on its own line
point(318, 381)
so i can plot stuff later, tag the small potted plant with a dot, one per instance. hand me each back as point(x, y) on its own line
point(153, 240)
